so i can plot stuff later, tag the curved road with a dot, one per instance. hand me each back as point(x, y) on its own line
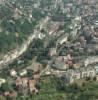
point(10, 57)
point(18, 52)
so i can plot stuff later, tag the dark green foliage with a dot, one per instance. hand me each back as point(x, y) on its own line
point(49, 91)
point(6, 87)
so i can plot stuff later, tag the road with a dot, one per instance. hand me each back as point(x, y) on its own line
point(11, 56)
point(18, 51)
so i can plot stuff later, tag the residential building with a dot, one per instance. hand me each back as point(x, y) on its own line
point(96, 69)
point(36, 77)
point(52, 52)
point(88, 72)
point(84, 73)
point(13, 73)
point(60, 66)
point(24, 81)
point(63, 39)
point(2, 81)
point(32, 87)
point(18, 82)
point(91, 72)
point(90, 60)
point(72, 75)
point(23, 72)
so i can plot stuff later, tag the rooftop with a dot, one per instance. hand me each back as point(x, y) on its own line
point(59, 66)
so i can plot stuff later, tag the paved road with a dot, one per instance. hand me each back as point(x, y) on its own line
point(11, 56)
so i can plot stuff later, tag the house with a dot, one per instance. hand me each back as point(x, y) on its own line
point(96, 23)
point(16, 13)
point(78, 18)
point(32, 87)
point(58, 73)
point(2, 81)
point(60, 59)
point(91, 72)
point(94, 40)
point(18, 82)
point(24, 81)
point(23, 72)
point(88, 72)
point(12, 94)
point(36, 69)
point(52, 52)
point(90, 60)
point(81, 49)
point(6, 93)
point(36, 77)
point(46, 71)
point(21, 81)
point(84, 73)
point(59, 66)
point(62, 39)
point(96, 69)
point(72, 75)
point(76, 74)
point(13, 73)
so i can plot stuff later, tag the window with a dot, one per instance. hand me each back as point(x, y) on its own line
point(96, 70)
point(85, 75)
point(91, 74)
point(74, 77)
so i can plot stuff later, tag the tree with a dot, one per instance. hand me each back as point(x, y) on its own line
point(6, 87)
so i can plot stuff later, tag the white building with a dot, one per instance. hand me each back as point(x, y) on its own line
point(52, 52)
point(23, 72)
point(13, 73)
point(2, 81)
point(96, 69)
point(63, 39)
point(88, 72)
point(72, 75)
point(91, 72)
point(90, 60)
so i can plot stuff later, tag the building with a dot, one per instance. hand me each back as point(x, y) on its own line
point(18, 82)
point(63, 39)
point(13, 73)
point(75, 74)
point(72, 75)
point(91, 72)
point(32, 87)
point(23, 72)
point(96, 69)
point(90, 60)
point(24, 81)
point(88, 72)
point(36, 77)
point(59, 66)
point(84, 73)
point(52, 52)
point(16, 13)
point(2, 81)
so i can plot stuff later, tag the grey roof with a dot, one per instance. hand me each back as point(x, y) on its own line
point(62, 37)
point(73, 71)
point(84, 69)
point(46, 61)
point(59, 66)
